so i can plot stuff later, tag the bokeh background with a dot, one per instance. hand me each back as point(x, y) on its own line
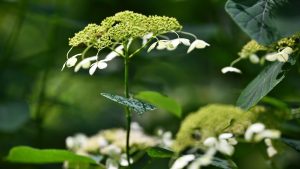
point(40, 105)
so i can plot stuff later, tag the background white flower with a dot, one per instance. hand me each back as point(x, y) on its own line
point(230, 69)
point(198, 44)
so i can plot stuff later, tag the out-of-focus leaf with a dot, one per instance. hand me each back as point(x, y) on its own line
point(136, 105)
point(262, 19)
point(82, 165)
point(160, 101)
point(267, 79)
point(222, 163)
point(295, 144)
point(275, 102)
point(13, 116)
point(295, 113)
point(24, 154)
point(158, 152)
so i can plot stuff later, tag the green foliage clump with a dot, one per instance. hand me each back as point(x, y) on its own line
point(214, 119)
point(121, 27)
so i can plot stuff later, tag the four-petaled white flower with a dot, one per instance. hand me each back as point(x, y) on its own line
point(198, 44)
point(281, 56)
point(230, 69)
point(101, 64)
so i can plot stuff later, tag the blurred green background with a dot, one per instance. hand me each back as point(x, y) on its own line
point(40, 105)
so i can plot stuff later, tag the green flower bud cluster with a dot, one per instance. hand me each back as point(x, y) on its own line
point(121, 27)
point(250, 48)
point(292, 42)
point(215, 119)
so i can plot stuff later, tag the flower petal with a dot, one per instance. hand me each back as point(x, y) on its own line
point(102, 65)
point(210, 142)
point(71, 62)
point(185, 41)
point(192, 47)
point(183, 161)
point(152, 46)
point(271, 57)
point(200, 44)
point(225, 136)
point(230, 69)
point(93, 68)
point(282, 57)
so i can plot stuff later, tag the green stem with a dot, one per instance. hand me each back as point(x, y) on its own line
point(127, 111)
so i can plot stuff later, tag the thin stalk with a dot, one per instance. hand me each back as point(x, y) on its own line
point(127, 111)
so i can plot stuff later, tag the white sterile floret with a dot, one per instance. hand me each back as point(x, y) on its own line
point(210, 141)
point(254, 128)
point(282, 56)
point(162, 44)
point(230, 69)
point(183, 161)
point(225, 148)
point(198, 44)
point(225, 136)
point(204, 160)
point(101, 64)
point(254, 58)
point(71, 61)
point(85, 63)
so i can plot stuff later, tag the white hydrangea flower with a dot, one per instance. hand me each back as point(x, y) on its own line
point(198, 44)
point(282, 56)
point(85, 63)
point(254, 128)
point(71, 61)
point(101, 64)
point(183, 161)
point(123, 160)
point(230, 69)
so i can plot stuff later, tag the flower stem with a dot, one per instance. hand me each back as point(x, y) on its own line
point(127, 111)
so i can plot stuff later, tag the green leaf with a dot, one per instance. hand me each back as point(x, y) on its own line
point(265, 20)
point(276, 103)
point(160, 101)
point(13, 116)
point(222, 163)
point(263, 83)
point(24, 154)
point(158, 152)
point(295, 144)
point(136, 105)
